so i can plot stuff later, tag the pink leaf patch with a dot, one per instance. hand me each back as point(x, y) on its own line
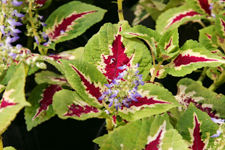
point(169, 44)
point(40, 2)
point(6, 103)
point(223, 24)
point(117, 59)
point(147, 101)
point(178, 17)
point(90, 87)
point(204, 4)
point(154, 145)
point(188, 59)
point(198, 144)
point(155, 141)
point(60, 29)
point(80, 110)
point(47, 98)
point(204, 108)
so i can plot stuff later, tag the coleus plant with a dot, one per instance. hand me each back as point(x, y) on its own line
point(113, 77)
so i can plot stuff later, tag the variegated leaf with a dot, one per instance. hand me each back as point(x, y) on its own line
point(13, 99)
point(67, 55)
point(175, 17)
point(140, 14)
point(205, 37)
point(149, 133)
point(213, 73)
point(151, 37)
point(50, 78)
point(71, 20)
point(86, 80)
point(155, 7)
point(221, 42)
point(160, 74)
point(108, 50)
point(200, 6)
point(68, 104)
point(192, 58)
point(190, 91)
point(220, 25)
point(168, 46)
point(152, 102)
point(196, 127)
point(41, 101)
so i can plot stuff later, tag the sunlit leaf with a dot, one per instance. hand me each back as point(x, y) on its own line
point(13, 99)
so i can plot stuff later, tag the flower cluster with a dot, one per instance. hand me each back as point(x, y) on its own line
point(219, 142)
point(124, 88)
point(9, 32)
point(216, 7)
point(36, 22)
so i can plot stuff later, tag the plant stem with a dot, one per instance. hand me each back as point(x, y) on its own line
point(120, 9)
point(1, 144)
point(109, 125)
point(203, 74)
point(2, 20)
point(157, 68)
point(201, 23)
point(218, 82)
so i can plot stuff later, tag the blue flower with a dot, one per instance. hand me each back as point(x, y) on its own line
point(219, 121)
point(16, 3)
point(36, 40)
point(217, 134)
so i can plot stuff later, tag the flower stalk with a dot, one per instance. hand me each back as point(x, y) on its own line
point(120, 9)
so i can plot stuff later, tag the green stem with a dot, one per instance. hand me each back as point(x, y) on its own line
point(109, 125)
point(1, 144)
point(218, 82)
point(157, 68)
point(203, 74)
point(201, 23)
point(120, 9)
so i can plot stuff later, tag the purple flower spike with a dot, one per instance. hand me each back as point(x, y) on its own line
point(115, 92)
point(36, 40)
point(2, 29)
point(4, 1)
point(219, 121)
point(122, 67)
point(14, 39)
point(15, 30)
point(43, 24)
point(13, 22)
point(13, 55)
point(16, 3)
point(18, 46)
point(217, 134)
point(116, 82)
point(19, 15)
point(121, 75)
